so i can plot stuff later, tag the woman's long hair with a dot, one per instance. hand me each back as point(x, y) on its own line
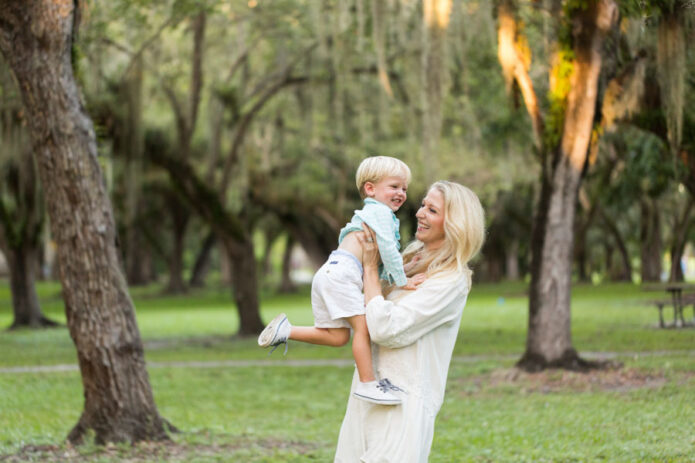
point(464, 233)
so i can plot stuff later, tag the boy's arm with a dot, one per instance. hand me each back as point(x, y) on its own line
point(391, 258)
point(379, 219)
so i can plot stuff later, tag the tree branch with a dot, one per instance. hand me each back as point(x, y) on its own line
point(243, 124)
point(196, 73)
point(515, 62)
point(200, 196)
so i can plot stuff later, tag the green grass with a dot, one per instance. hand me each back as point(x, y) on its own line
point(271, 413)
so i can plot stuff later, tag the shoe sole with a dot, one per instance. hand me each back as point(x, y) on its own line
point(376, 401)
point(267, 336)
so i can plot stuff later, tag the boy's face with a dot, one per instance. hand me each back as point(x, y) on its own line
point(389, 190)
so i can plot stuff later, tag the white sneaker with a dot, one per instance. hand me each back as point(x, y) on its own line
point(277, 332)
point(377, 392)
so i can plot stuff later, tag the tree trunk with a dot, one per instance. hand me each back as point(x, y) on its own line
point(511, 267)
point(494, 258)
point(225, 268)
point(318, 248)
point(271, 236)
point(549, 340)
point(436, 15)
point(36, 39)
point(138, 259)
point(25, 302)
point(580, 251)
point(231, 231)
point(179, 215)
point(245, 285)
point(133, 147)
point(680, 236)
point(202, 262)
point(650, 240)
point(287, 286)
point(626, 273)
point(186, 119)
point(582, 229)
point(580, 257)
point(608, 257)
point(676, 274)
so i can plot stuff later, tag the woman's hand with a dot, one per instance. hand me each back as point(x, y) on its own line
point(370, 251)
point(370, 263)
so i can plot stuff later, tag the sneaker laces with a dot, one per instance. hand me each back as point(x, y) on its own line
point(275, 346)
point(385, 385)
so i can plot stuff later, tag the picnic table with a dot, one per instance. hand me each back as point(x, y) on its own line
point(681, 295)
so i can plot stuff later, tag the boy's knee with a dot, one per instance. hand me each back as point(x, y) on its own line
point(343, 338)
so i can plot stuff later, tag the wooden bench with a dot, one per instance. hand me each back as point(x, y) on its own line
point(678, 300)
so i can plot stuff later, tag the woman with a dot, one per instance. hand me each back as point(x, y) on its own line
point(414, 332)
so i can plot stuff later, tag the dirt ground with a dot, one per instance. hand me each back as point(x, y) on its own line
point(153, 451)
point(611, 378)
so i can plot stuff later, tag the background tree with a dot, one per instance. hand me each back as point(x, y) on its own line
point(36, 39)
point(562, 143)
point(21, 209)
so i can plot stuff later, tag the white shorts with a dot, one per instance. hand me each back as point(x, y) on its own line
point(336, 291)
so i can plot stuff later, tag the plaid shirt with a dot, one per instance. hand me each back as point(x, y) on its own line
point(383, 221)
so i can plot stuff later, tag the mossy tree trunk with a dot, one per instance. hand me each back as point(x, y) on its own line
point(549, 339)
point(36, 38)
point(563, 149)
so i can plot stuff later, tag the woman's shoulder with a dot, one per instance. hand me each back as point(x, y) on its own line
point(449, 282)
point(453, 279)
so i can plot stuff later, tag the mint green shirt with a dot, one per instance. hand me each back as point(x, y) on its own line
point(383, 221)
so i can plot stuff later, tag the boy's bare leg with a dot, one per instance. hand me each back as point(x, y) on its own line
point(335, 337)
point(362, 348)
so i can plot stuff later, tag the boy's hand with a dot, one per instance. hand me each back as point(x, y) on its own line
point(415, 281)
point(407, 267)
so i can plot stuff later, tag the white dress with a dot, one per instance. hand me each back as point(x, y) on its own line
point(413, 335)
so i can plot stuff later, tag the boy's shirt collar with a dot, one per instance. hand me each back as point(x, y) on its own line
point(373, 201)
point(396, 222)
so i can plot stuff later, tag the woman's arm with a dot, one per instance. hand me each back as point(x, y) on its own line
point(438, 301)
point(435, 303)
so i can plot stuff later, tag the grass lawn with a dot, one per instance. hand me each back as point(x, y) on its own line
point(272, 412)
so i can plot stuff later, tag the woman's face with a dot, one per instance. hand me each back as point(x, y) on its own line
point(430, 220)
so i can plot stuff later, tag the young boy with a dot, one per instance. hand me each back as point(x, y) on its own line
point(336, 290)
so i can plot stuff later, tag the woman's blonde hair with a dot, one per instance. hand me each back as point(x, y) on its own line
point(464, 233)
point(375, 168)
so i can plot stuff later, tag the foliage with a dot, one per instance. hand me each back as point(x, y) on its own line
point(560, 75)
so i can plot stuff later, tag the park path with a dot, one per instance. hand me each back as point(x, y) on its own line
point(462, 359)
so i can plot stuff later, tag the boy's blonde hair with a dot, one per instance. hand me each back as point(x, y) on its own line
point(464, 233)
point(375, 168)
